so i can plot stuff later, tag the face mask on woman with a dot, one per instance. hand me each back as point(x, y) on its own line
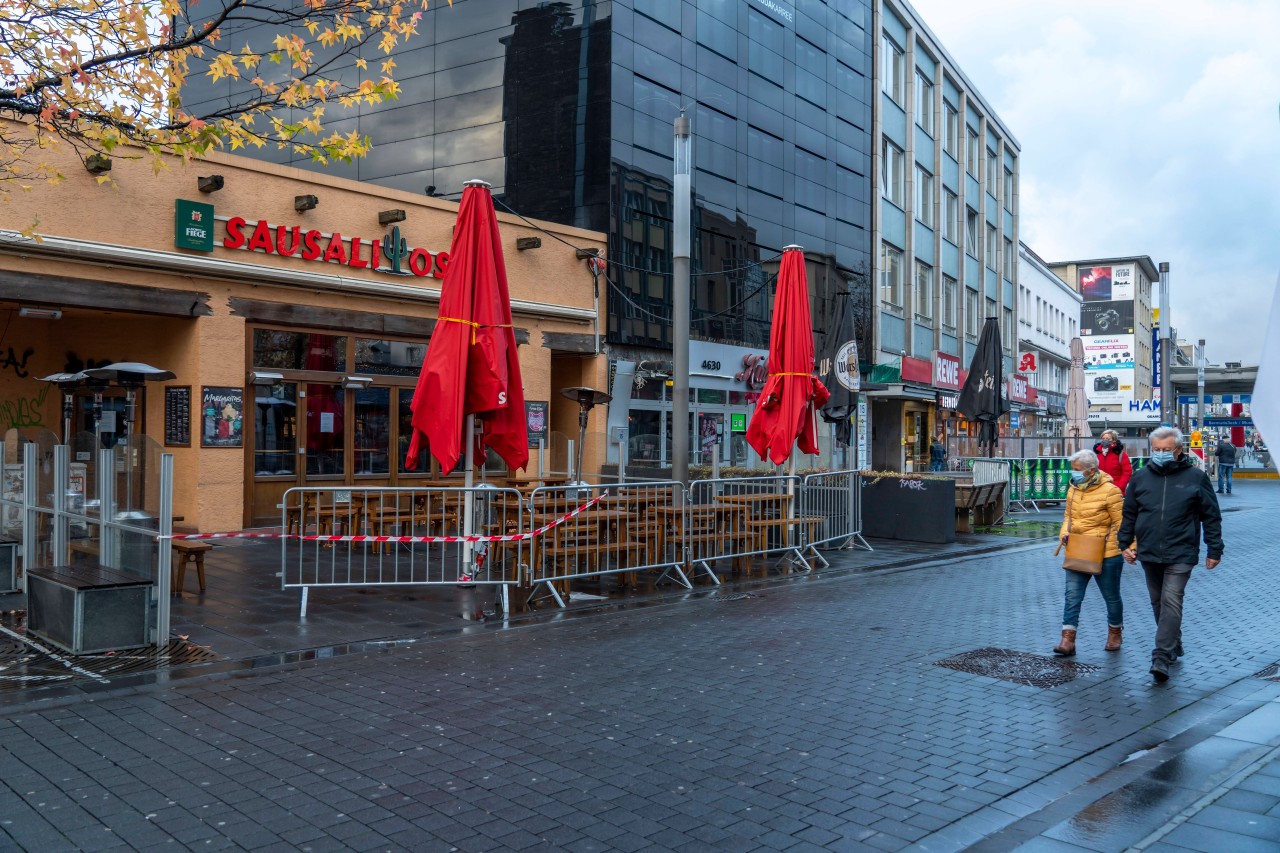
point(1078, 478)
point(1161, 458)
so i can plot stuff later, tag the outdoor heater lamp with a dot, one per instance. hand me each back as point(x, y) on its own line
point(129, 375)
point(587, 399)
point(67, 383)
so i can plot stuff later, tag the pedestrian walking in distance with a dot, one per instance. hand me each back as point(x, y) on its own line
point(1226, 453)
point(1094, 508)
point(1168, 506)
point(937, 454)
point(1114, 460)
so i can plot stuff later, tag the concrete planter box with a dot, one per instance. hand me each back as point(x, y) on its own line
point(910, 510)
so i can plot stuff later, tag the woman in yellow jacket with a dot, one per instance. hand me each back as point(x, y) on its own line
point(1094, 507)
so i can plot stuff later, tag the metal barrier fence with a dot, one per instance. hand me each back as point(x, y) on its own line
point(1044, 478)
point(629, 528)
point(988, 471)
point(740, 517)
point(454, 536)
point(834, 497)
point(63, 513)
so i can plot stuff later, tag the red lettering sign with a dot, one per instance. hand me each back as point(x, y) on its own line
point(946, 371)
point(1020, 389)
point(292, 241)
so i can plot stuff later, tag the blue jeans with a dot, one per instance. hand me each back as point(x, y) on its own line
point(1224, 476)
point(1108, 585)
point(935, 465)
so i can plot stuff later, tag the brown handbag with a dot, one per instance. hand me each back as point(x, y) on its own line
point(1084, 553)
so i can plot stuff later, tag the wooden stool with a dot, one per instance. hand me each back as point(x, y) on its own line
point(188, 551)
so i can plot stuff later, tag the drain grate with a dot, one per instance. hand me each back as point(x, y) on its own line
point(1271, 673)
point(1018, 667)
point(23, 666)
point(737, 596)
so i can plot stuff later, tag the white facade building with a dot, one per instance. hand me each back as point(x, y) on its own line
point(1048, 318)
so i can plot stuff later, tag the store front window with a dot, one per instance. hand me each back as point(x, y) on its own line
point(373, 431)
point(326, 429)
point(275, 430)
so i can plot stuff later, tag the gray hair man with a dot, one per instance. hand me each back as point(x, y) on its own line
point(1168, 506)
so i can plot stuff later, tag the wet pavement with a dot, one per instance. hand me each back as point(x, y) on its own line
point(803, 714)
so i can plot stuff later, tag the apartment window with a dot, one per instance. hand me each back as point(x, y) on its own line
point(1008, 259)
point(950, 215)
point(991, 308)
point(993, 243)
point(924, 102)
point(951, 129)
point(924, 292)
point(972, 149)
point(924, 196)
point(891, 177)
point(993, 168)
point(1008, 190)
point(1006, 327)
point(893, 69)
point(1039, 314)
point(949, 289)
point(891, 277)
point(972, 313)
point(971, 231)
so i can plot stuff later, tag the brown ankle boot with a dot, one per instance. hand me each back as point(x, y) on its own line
point(1067, 647)
point(1114, 635)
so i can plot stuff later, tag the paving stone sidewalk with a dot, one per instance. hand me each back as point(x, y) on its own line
point(811, 716)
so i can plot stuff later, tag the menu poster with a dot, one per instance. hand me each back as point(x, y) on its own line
point(177, 416)
point(221, 416)
point(535, 415)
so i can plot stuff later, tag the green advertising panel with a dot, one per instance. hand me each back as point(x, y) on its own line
point(193, 225)
point(737, 422)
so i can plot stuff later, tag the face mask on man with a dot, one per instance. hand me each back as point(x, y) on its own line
point(1160, 458)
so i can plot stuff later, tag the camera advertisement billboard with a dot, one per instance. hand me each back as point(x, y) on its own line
point(1109, 368)
point(1107, 284)
point(1106, 318)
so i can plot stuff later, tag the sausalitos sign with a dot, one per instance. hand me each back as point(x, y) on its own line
point(389, 254)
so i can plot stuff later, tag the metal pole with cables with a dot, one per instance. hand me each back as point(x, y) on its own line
point(680, 299)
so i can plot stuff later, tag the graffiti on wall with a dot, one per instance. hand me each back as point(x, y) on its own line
point(75, 363)
point(18, 363)
point(24, 411)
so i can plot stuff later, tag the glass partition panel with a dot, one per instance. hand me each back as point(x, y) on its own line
point(373, 431)
point(326, 429)
point(281, 350)
point(406, 432)
point(389, 358)
point(275, 430)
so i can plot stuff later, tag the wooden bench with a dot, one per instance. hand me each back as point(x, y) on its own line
point(186, 551)
point(986, 503)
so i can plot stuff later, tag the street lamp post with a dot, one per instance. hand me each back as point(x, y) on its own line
point(1168, 404)
point(680, 303)
point(1200, 385)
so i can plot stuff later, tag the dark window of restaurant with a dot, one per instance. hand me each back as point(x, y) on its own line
point(281, 350)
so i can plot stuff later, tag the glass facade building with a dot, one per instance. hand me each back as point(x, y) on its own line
point(566, 108)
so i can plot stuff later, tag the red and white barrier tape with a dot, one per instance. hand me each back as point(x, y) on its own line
point(509, 537)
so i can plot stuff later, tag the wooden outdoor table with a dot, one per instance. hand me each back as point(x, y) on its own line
point(581, 536)
point(704, 530)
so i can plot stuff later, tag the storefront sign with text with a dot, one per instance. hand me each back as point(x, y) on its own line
point(1020, 389)
point(357, 252)
point(946, 371)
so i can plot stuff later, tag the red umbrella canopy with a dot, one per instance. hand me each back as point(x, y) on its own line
point(471, 367)
point(786, 415)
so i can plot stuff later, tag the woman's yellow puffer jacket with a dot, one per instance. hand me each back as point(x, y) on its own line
point(1095, 509)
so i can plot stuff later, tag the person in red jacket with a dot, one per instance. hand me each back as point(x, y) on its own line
point(1113, 459)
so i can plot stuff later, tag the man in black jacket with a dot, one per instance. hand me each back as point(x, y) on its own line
point(1226, 453)
point(1168, 502)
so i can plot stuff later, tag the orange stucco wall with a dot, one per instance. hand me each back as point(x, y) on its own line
point(136, 209)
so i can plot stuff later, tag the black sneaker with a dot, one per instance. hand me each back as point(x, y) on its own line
point(1159, 671)
point(1219, 491)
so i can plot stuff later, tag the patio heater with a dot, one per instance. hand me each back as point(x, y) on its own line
point(129, 375)
point(587, 399)
point(67, 383)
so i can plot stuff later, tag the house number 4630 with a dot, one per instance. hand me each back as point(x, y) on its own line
point(710, 365)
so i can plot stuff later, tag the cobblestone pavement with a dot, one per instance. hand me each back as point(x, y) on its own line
point(811, 716)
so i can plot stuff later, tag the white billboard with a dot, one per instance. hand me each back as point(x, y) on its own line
point(1109, 368)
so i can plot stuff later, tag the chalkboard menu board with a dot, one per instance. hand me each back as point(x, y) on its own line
point(177, 416)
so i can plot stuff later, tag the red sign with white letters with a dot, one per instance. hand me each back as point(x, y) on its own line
point(1020, 390)
point(946, 371)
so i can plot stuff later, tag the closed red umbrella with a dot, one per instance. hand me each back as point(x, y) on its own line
point(471, 367)
point(786, 415)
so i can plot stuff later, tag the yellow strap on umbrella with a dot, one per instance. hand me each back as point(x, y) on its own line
point(472, 323)
point(810, 375)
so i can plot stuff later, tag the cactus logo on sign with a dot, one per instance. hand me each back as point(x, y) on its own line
point(389, 254)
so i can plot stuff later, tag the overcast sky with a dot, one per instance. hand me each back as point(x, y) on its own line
point(1148, 127)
